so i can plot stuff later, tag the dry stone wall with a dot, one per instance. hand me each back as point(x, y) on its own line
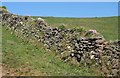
point(87, 51)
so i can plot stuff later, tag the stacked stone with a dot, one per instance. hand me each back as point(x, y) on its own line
point(20, 25)
point(110, 58)
point(85, 48)
point(92, 51)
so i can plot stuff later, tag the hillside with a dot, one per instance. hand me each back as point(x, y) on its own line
point(107, 26)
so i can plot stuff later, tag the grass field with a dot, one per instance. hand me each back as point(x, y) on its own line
point(107, 26)
point(24, 58)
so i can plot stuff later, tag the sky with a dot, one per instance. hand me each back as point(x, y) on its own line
point(60, 0)
point(63, 9)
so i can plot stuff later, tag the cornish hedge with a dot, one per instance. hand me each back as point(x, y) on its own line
point(70, 45)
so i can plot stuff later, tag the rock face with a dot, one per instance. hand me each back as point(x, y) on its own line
point(88, 51)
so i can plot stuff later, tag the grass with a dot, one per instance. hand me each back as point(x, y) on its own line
point(107, 26)
point(28, 59)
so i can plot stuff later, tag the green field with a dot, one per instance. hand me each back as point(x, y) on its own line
point(107, 26)
point(24, 58)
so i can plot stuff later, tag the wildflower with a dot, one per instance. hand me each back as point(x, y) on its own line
point(93, 31)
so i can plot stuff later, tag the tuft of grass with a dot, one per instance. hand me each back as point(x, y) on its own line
point(17, 54)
